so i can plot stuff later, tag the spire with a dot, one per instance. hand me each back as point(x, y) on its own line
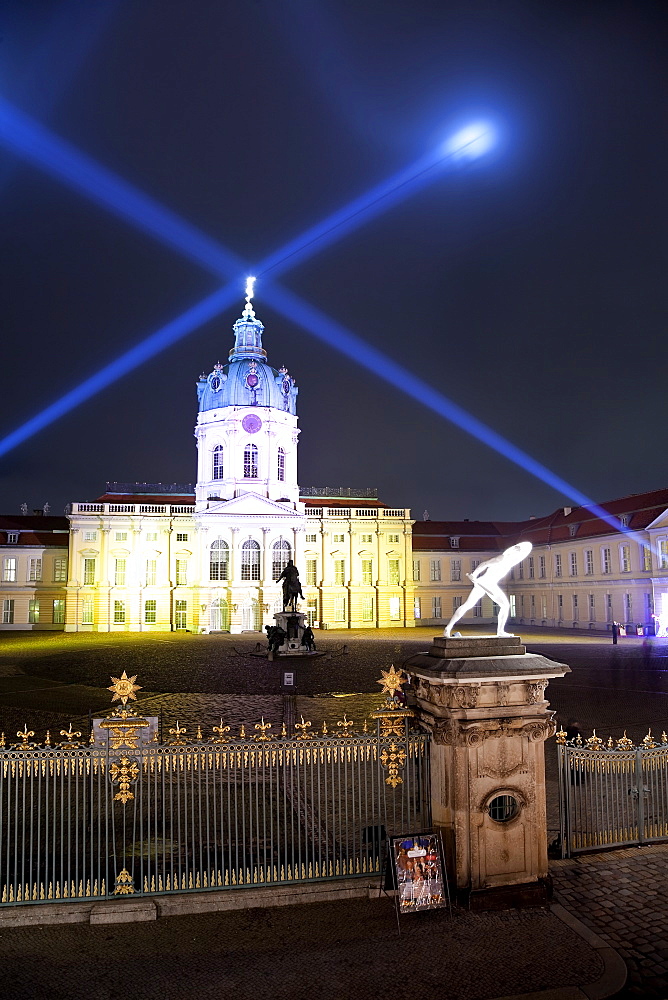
point(248, 330)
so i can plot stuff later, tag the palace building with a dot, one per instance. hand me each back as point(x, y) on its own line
point(207, 558)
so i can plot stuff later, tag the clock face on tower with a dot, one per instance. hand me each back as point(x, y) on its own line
point(251, 423)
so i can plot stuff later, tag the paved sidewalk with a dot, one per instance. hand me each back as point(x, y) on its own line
point(623, 896)
point(329, 950)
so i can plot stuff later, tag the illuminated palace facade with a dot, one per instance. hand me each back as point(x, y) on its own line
point(150, 558)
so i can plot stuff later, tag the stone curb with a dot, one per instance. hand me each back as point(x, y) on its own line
point(614, 968)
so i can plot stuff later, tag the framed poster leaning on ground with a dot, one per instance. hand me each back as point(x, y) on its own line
point(419, 871)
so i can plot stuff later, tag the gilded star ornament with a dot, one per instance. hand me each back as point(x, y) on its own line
point(391, 680)
point(124, 687)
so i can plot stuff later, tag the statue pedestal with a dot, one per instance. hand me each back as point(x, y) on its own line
point(482, 698)
point(293, 623)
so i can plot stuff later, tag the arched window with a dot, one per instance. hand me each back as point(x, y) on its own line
point(250, 461)
point(218, 560)
point(280, 553)
point(217, 471)
point(250, 559)
point(281, 465)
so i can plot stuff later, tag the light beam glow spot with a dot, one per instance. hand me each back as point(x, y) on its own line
point(470, 142)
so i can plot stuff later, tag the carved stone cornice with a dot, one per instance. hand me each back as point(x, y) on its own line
point(460, 732)
point(535, 691)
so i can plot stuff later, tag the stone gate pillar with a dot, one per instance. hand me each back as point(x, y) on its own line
point(483, 700)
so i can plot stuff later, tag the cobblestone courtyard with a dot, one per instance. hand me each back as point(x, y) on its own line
point(48, 680)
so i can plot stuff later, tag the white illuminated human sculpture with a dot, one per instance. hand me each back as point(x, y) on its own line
point(485, 579)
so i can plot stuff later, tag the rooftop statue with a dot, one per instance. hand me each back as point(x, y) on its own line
point(485, 579)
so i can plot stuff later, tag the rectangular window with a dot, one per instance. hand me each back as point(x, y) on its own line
point(12, 537)
point(543, 606)
point(573, 563)
point(89, 571)
point(90, 536)
point(557, 564)
point(625, 559)
point(454, 542)
point(59, 611)
point(456, 603)
point(531, 568)
point(9, 569)
point(339, 572)
point(367, 608)
point(513, 605)
point(533, 605)
point(181, 536)
point(477, 609)
point(150, 609)
point(663, 553)
point(560, 606)
point(340, 609)
point(393, 572)
point(33, 611)
point(474, 564)
point(436, 607)
point(119, 613)
point(435, 570)
point(646, 558)
point(592, 608)
point(589, 562)
point(34, 570)
point(312, 611)
point(605, 560)
point(395, 609)
point(608, 607)
point(393, 539)
point(151, 570)
point(366, 539)
point(338, 538)
point(311, 572)
point(119, 573)
point(417, 614)
point(87, 611)
point(649, 607)
point(8, 611)
point(60, 570)
point(541, 567)
point(367, 572)
point(311, 538)
point(151, 536)
point(628, 607)
point(416, 570)
point(576, 610)
point(520, 571)
point(455, 570)
point(180, 614)
point(121, 536)
point(181, 572)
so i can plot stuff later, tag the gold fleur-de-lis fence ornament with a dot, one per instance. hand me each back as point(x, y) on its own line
point(263, 727)
point(345, 725)
point(177, 733)
point(220, 731)
point(69, 735)
point(303, 726)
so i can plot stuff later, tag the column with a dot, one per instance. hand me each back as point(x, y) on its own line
point(482, 699)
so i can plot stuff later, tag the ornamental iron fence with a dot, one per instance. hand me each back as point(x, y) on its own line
point(612, 794)
point(126, 814)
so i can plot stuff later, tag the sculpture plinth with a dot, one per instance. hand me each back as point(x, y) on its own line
point(293, 625)
point(482, 698)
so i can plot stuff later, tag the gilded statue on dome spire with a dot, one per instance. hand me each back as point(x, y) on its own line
point(248, 312)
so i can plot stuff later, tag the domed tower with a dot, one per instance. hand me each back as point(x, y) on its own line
point(247, 424)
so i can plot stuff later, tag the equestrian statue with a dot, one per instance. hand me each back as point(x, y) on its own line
point(292, 588)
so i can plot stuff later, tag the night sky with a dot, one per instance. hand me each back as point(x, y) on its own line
point(529, 287)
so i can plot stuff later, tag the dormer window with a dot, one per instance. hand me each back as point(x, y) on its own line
point(573, 530)
point(624, 520)
point(454, 542)
point(12, 538)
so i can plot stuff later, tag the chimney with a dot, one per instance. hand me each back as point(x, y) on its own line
point(532, 517)
point(567, 511)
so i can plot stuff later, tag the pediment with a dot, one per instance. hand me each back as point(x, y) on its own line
point(661, 521)
point(250, 504)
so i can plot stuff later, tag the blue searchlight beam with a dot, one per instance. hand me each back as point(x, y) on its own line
point(36, 144)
